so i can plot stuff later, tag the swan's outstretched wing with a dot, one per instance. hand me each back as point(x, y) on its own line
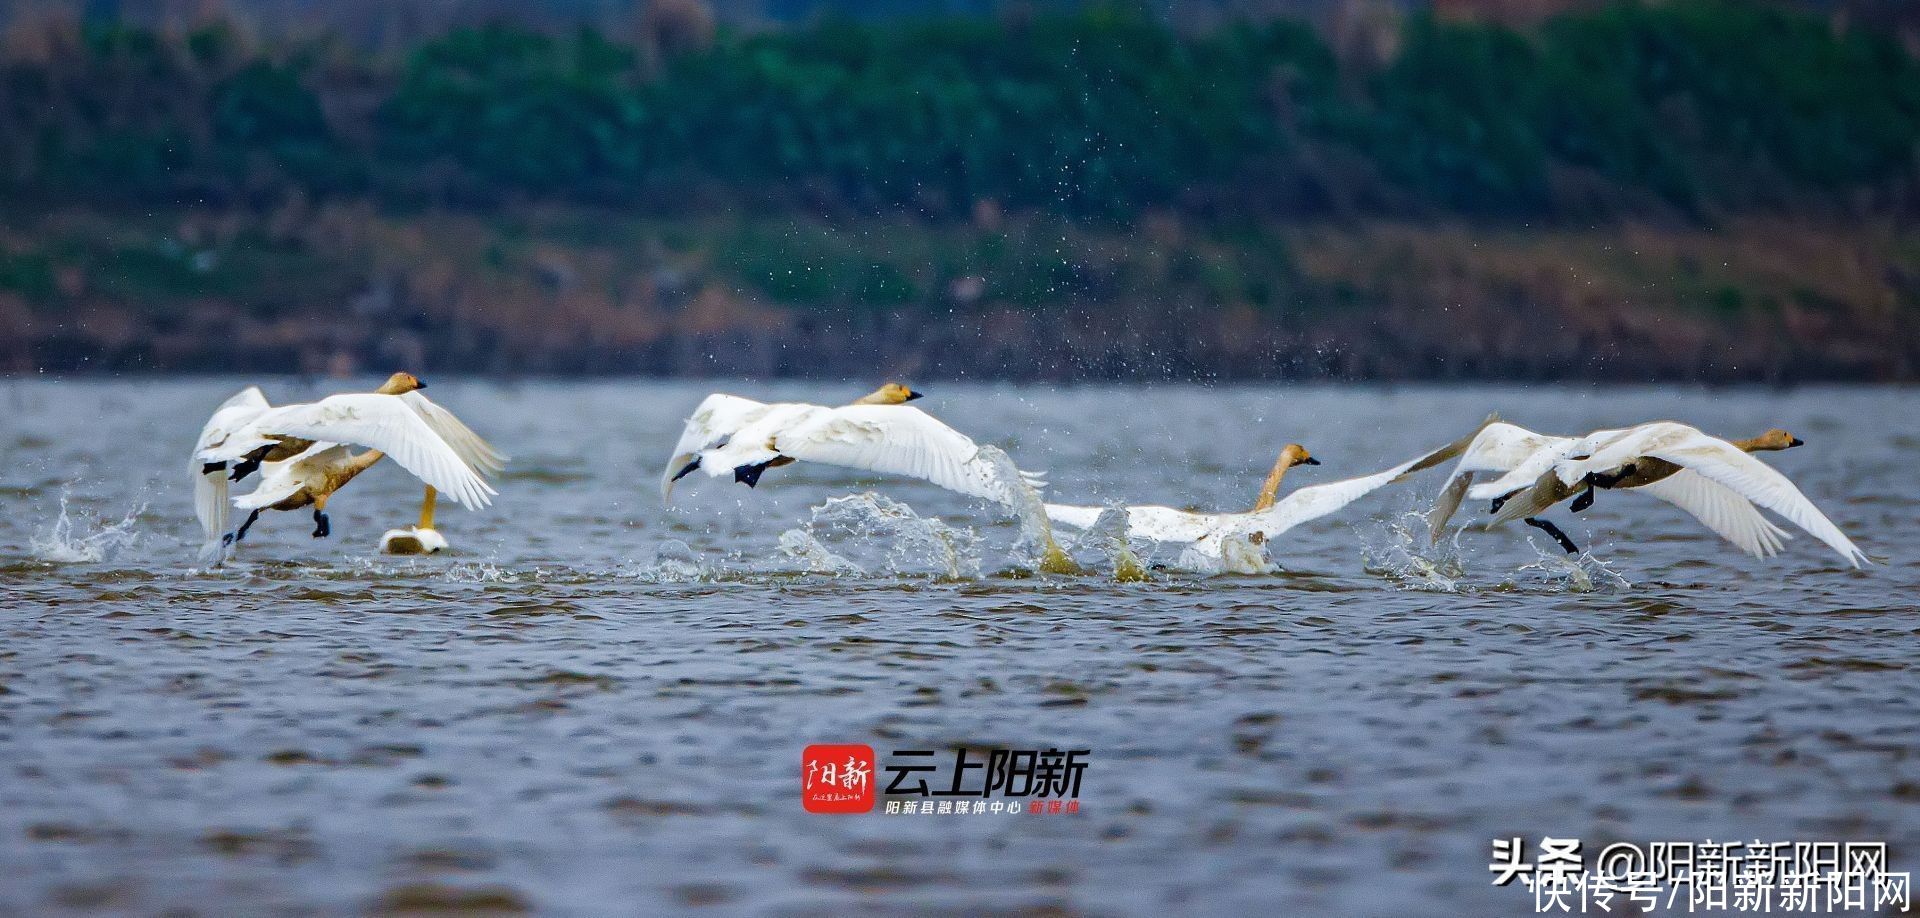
point(210, 488)
point(477, 453)
point(390, 425)
point(717, 418)
point(1151, 522)
point(1720, 509)
point(1544, 460)
point(1724, 463)
point(1315, 501)
point(1497, 448)
point(896, 440)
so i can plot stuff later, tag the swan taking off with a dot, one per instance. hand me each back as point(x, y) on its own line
point(1716, 481)
point(877, 433)
point(1232, 542)
point(303, 455)
point(728, 434)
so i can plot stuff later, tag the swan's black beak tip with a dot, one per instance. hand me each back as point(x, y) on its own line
point(911, 395)
point(1311, 461)
point(1796, 441)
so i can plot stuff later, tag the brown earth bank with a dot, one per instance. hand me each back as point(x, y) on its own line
point(345, 287)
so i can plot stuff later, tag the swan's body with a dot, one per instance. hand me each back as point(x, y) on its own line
point(302, 452)
point(728, 434)
point(1716, 481)
point(1233, 542)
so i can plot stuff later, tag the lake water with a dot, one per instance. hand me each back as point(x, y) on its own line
point(597, 704)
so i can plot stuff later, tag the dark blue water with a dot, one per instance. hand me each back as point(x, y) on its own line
point(595, 704)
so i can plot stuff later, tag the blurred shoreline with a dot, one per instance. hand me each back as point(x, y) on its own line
point(334, 289)
point(1690, 190)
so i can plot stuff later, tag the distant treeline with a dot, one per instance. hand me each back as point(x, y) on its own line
point(1693, 108)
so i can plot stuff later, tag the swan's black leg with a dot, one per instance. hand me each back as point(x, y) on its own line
point(1552, 530)
point(321, 527)
point(749, 475)
point(1584, 501)
point(208, 468)
point(688, 470)
point(241, 533)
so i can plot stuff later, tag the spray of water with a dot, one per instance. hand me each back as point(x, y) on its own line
point(1109, 534)
point(802, 548)
point(63, 543)
point(911, 543)
point(1403, 552)
point(1036, 531)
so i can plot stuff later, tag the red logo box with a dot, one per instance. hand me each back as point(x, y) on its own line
point(837, 778)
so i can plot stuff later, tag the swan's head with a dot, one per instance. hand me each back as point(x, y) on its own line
point(401, 384)
point(1294, 454)
point(892, 393)
point(1777, 439)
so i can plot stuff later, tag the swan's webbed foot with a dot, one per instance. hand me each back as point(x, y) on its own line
point(322, 528)
point(1584, 501)
point(1500, 501)
point(241, 533)
point(688, 470)
point(208, 468)
point(1552, 530)
point(749, 475)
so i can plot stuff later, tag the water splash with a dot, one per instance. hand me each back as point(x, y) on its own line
point(1583, 573)
point(1404, 553)
point(804, 549)
point(911, 542)
point(62, 544)
point(1023, 498)
point(1109, 534)
point(673, 562)
point(1225, 554)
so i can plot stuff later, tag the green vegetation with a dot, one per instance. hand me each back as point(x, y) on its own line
point(1700, 105)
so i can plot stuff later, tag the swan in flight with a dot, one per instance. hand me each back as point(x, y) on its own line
point(302, 453)
point(1716, 481)
point(728, 434)
point(1232, 541)
point(877, 433)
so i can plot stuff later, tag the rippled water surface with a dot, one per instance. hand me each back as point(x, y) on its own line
point(596, 704)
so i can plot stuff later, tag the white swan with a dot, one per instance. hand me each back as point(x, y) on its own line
point(728, 434)
point(301, 452)
point(1714, 480)
point(1233, 542)
point(878, 433)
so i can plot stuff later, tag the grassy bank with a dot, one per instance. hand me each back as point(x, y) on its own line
point(561, 289)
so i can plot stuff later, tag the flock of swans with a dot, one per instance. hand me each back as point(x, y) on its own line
point(302, 454)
